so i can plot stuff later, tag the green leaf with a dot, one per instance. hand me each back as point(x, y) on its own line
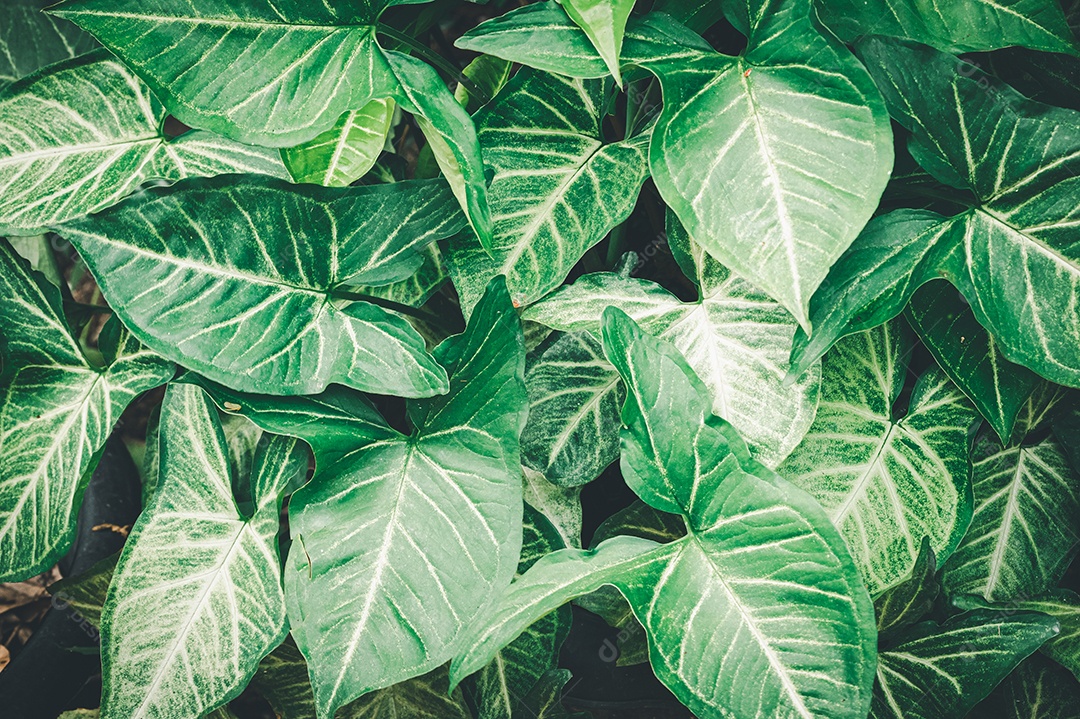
point(954, 26)
point(757, 548)
point(344, 153)
point(969, 355)
point(56, 411)
point(735, 337)
point(1024, 530)
point(79, 136)
point(539, 35)
point(1037, 689)
point(488, 73)
point(936, 671)
point(418, 288)
point(278, 76)
point(560, 505)
point(912, 599)
point(775, 129)
point(872, 281)
point(30, 39)
point(887, 480)
point(196, 600)
point(604, 21)
point(1016, 260)
point(386, 521)
point(499, 690)
point(225, 279)
point(558, 188)
point(1061, 604)
point(574, 397)
point(85, 593)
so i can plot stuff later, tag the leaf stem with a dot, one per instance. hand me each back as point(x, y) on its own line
point(433, 58)
point(404, 309)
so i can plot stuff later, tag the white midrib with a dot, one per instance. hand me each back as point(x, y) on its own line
point(34, 155)
point(997, 557)
point(860, 486)
point(770, 654)
point(572, 421)
point(196, 610)
point(526, 235)
point(381, 563)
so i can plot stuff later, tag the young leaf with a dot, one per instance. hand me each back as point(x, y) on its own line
point(887, 481)
point(604, 21)
point(943, 671)
point(1024, 530)
point(756, 547)
point(729, 138)
point(225, 275)
point(1061, 604)
point(30, 39)
point(196, 599)
point(734, 337)
point(56, 411)
point(558, 188)
point(574, 397)
point(539, 35)
point(912, 599)
point(955, 26)
point(872, 281)
point(387, 522)
point(344, 153)
point(1017, 262)
point(78, 136)
point(969, 355)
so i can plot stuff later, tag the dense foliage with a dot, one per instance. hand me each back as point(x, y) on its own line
point(807, 273)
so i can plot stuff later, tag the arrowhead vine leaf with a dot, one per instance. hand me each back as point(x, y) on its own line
point(56, 411)
point(589, 353)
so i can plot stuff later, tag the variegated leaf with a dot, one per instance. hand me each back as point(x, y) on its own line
point(761, 583)
point(235, 277)
point(56, 411)
point(79, 136)
point(196, 600)
point(887, 481)
point(31, 39)
point(558, 188)
point(344, 153)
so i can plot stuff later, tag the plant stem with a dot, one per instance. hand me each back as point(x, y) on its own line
point(404, 309)
point(433, 58)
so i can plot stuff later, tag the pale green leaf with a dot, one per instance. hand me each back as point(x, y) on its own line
point(560, 505)
point(574, 397)
point(735, 337)
point(933, 671)
point(344, 153)
point(223, 276)
point(196, 600)
point(400, 541)
point(56, 411)
point(760, 583)
point(746, 147)
point(604, 21)
point(78, 136)
point(887, 480)
point(558, 188)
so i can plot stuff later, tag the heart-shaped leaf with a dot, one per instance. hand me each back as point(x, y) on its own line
point(887, 481)
point(235, 277)
point(80, 135)
point(558, 188)
point(196, 600)
point(56, 411)
point(755, 544)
